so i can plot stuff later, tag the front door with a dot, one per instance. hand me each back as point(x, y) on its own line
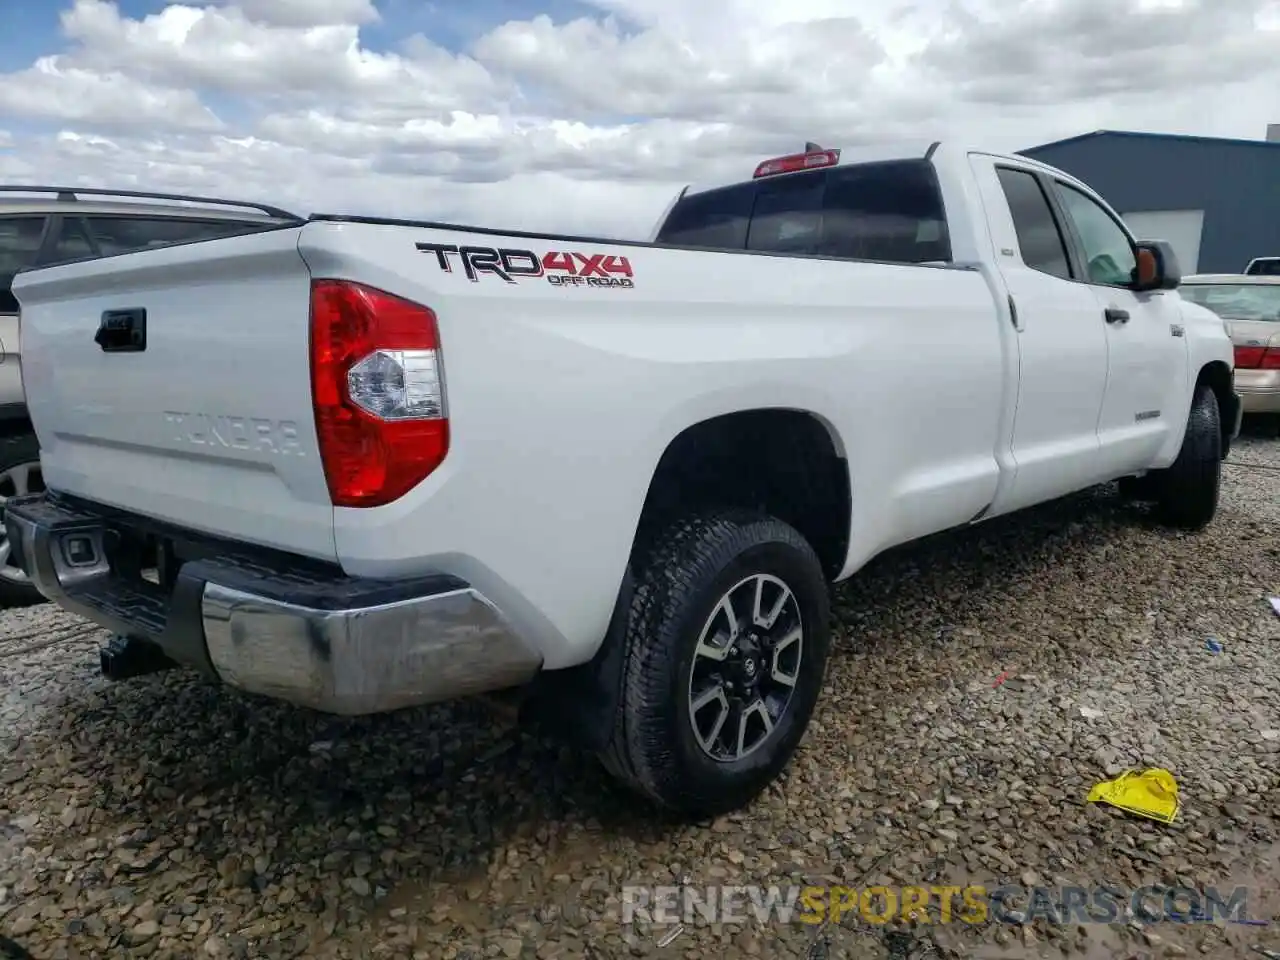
point(1146, 347)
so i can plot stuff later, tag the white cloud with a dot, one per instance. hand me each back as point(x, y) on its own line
point(306, 13)
point(593, 65)
point(221, 49)
point(107, 99)
point(590, 124)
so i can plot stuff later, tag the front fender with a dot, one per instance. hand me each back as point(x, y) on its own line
point(1208, 348)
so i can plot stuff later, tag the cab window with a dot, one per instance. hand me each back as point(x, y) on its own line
point(890, 211)
point(1108, 251)
point(1039, 238)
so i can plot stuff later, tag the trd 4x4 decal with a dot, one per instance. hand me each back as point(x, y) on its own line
point(561, 269)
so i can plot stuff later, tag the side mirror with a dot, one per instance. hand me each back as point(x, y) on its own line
point(1157, 267)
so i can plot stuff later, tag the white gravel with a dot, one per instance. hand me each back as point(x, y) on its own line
point(170, 817)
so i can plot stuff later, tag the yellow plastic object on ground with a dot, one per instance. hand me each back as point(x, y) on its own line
point(1152, 794)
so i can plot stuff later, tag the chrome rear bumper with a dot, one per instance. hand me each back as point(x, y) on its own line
point(367, 659)
point(268, 623)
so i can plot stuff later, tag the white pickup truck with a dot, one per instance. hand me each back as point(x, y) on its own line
point(361, 464)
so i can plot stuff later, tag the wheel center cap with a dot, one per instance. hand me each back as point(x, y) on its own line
point(749, 665)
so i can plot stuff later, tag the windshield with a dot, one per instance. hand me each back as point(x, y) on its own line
point(1236, 301)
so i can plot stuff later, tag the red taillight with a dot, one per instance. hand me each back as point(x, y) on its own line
point(798, 161)
point(1249, 358)
point(1270, 359)
point(377, 392)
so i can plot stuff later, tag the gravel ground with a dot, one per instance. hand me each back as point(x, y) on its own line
point(980, 684)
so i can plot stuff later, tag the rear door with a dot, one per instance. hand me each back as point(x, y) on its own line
point(1062, 347)
point(953, 374)
point(1146, 397)
point(205, 419)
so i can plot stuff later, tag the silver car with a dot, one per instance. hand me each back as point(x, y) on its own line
point(1250, 305)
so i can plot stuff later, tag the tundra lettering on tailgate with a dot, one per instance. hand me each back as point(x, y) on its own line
point(561, 268)
point(236, 433)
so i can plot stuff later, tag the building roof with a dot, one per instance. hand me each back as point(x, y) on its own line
point(1179, 137)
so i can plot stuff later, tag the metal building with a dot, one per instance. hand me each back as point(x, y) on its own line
point(1216, 201)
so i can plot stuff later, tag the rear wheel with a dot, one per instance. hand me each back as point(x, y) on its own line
point(726, 645)
point(19, 474)
point(1186, 492)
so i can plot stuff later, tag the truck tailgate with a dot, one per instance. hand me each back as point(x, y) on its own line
point(176, 383)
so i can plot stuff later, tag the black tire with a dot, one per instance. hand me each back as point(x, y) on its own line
point(15, 589)
point(1187, 490)
point(679, 586)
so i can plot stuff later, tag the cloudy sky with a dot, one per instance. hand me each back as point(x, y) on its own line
point(586, 114)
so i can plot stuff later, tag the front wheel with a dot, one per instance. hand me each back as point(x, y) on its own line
point(1187, 490)
point(726, 646)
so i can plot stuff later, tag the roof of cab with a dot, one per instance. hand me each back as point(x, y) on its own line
point(861, 153)
point(920, 149)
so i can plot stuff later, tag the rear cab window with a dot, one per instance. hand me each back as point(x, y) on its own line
point(717, 218)
point(888, 211)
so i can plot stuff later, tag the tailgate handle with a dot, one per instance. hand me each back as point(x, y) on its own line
point(122, 331)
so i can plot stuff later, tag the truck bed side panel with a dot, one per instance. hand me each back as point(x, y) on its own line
point(564, 395)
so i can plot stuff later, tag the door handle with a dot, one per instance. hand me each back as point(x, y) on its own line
point(1116, 315)
point(122, 331)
